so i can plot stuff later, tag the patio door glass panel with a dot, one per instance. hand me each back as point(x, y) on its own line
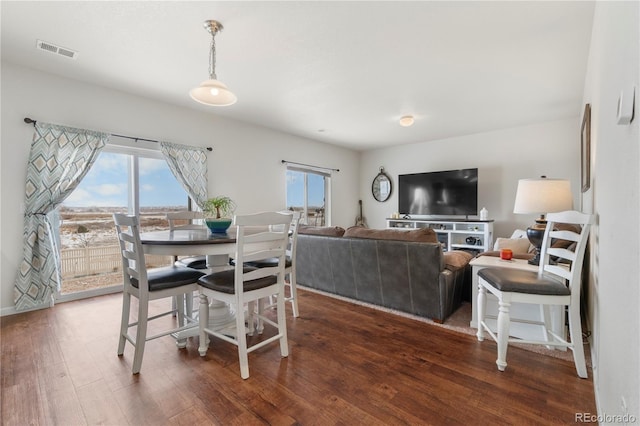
point(122, 180)
point(307, 192)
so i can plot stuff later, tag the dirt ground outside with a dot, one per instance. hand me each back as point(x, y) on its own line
point(74, 285)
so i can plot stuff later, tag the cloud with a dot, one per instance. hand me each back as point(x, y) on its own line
point(110, 162)
point(107, 189)
point(103, 195)
point(77, 197)
point(150, 165)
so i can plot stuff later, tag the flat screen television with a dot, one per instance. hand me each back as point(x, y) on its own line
point(446, 193)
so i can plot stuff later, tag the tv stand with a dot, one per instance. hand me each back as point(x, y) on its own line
point(454, 234)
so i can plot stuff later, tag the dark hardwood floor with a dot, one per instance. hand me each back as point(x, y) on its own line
point(348, 364)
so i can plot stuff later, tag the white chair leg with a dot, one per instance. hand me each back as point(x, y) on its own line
point(180, 309)
point(482, 306)
point(141, 335)
point(545, 312)
point(294, 293)
point(180, 302)
point(241, 340)
point(188, 305)
point(124, 324)
point(203, 320)
point(575, 330)
point(504, 321)
point(251, 317)
point(173, 306)
point(259, 322)
point(282, 326)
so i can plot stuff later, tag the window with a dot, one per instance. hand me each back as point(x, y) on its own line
point(308, 192)
point(123, 179)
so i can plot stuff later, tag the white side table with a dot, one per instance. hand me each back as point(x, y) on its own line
point(519, 311)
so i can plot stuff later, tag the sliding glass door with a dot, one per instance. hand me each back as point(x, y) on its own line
point(308, 192)
point(124, 180)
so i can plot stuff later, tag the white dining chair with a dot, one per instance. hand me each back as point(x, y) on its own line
point(290, 269)
point(147, 285)
point(245, 284)
point(553, 284)
point(185, 220)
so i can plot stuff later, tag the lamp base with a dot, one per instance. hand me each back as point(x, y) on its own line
point(535, 234)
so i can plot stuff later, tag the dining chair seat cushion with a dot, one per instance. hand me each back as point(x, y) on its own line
point(169, 277)
point(266, 263)
point(517, 281)
point(195, 262)
point(223, 281)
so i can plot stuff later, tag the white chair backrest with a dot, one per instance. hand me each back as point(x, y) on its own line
point(293, 237)
point(574, 257)
point(252, 245)
point(185, 215)
point(133, 263)
point(293, 231)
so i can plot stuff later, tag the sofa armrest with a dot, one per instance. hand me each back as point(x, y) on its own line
point(456, 259)
point(450, 283)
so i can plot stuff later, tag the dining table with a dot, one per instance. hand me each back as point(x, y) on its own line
point(217, 247)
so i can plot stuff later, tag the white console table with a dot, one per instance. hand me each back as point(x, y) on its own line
point(518, 311)
point(453, 233)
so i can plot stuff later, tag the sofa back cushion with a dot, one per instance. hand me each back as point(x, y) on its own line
point(327, 231)
point(517, 245)
point(421, 235)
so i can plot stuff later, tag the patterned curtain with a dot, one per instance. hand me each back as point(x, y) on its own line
point(189, 166)
point(60, 157)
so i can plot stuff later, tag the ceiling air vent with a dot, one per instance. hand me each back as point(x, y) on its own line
point(52, 48)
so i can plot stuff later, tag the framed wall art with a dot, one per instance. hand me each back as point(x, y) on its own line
point(585, 149)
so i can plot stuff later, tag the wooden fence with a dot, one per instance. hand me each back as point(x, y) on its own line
point(80, 262)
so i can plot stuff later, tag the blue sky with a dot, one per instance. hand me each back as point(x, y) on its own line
point(105, 185)
point(295, 189)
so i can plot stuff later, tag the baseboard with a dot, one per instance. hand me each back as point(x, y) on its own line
point(11, 310)
point(64, 298)
point(88, 293)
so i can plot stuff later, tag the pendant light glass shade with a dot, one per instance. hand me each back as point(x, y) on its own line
point(213, 92)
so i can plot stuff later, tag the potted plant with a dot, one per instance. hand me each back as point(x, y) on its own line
point(219, 213)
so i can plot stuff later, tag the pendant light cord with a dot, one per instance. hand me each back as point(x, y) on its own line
point(212, 58)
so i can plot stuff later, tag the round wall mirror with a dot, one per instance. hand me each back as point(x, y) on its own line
point(381, 186)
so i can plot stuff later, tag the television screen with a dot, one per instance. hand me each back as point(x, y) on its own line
point(447, 193)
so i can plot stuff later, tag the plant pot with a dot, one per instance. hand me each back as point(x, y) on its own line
point(218, 226)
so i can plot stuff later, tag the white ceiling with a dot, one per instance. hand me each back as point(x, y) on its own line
point(337, 72)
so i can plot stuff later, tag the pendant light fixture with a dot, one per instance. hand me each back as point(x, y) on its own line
point(211, 91)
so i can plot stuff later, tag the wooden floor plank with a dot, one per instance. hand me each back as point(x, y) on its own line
point(348, 364)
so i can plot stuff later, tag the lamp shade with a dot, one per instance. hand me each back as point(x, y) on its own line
point(213, 92)
point(541, 196)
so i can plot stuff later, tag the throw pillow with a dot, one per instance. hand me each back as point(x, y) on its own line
point(518, 245)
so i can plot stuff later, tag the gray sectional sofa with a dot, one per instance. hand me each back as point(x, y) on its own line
point(401, 270)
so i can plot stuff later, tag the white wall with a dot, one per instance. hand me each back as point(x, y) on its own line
point(245, 163)
point(502, 157)
point(614, 297)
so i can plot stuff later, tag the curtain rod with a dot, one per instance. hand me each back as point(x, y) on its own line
point(309, 165)
point(32, 121)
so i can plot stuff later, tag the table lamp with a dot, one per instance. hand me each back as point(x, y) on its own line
point(541, 196)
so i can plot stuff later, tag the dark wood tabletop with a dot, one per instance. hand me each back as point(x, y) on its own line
point(188, 237)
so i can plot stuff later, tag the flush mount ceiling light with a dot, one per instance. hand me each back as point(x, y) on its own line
point(211, 91)
point(406, 121)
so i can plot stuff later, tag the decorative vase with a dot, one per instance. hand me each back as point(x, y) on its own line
point(218, 226)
